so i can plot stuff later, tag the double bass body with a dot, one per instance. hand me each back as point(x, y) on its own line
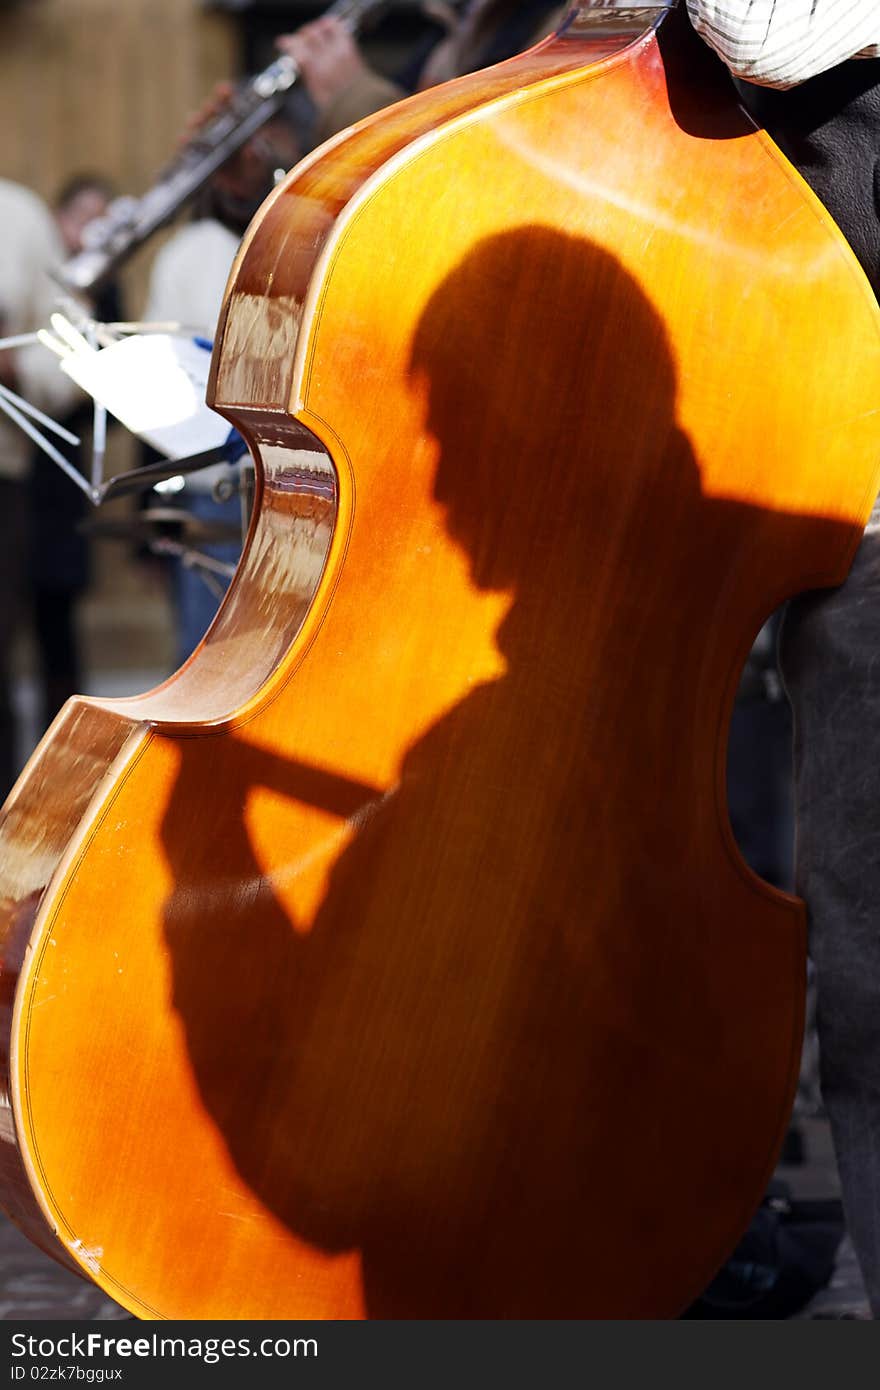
point(394, 959)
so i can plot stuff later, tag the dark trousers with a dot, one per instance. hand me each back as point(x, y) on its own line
point(13, 514)
point(55, 633)
point(830, 653)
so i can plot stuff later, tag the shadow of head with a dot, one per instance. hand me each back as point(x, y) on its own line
point(551, 391)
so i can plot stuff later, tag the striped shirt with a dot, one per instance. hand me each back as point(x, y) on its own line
point(780, 43)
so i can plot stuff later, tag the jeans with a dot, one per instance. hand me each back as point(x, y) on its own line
point(196, 600)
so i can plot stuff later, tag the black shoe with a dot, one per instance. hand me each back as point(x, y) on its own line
point(794, 1149)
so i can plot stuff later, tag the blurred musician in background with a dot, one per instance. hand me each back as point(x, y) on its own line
point(338, 87)
point(344, 88)
point(58, 552)
point(31, 248)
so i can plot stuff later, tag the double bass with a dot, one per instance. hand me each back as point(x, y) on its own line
point(395, 958)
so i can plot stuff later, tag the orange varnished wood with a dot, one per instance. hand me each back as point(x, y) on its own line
point(404, 965)
point(36, 825)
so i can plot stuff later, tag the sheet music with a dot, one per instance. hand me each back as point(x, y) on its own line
point(155, 385)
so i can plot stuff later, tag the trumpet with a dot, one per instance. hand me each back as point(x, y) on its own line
point(129, 221)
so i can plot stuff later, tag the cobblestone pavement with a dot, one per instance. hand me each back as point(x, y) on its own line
point(816, 1177)
point(34, 1288)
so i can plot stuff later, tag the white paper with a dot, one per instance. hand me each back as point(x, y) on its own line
point(155, 385)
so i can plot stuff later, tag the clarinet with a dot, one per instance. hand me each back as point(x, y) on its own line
point(128, 222)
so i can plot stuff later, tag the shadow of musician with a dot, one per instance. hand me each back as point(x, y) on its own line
point(446, 1072)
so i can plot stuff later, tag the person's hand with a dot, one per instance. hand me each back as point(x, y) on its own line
point(327, 57)
point(216, 103)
